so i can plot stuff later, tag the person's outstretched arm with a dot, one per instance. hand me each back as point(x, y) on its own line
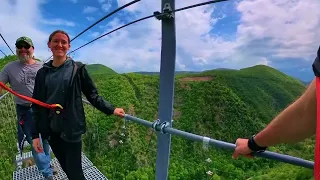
point(294, 124)
point(90, 91)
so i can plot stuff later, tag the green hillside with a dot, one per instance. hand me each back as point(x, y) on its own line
point(4, 61)
point(99, 69)
point(157, 73)
point(221, 104)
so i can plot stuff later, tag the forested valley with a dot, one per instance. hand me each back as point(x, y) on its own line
point(221, 104)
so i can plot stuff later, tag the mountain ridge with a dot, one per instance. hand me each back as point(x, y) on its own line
point(97, 68)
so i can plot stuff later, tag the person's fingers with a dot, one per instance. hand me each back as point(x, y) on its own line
point(235, 154)
point(37, 148)
point(40, 149)
point(237, 142)
point(120, 112)
point(34, 145)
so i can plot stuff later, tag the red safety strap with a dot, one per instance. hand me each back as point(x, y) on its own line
point(317, 148)
point(34, 101)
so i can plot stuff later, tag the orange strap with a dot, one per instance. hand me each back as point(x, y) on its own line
point(34, 101)
point(317, 148)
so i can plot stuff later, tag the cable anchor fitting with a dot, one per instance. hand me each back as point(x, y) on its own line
point(167, 13)
point(161, 126)
point(155, 124)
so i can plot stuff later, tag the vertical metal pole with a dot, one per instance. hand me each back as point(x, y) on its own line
point(166, 94)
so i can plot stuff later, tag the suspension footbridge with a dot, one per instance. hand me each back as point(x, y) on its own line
point(163, 125)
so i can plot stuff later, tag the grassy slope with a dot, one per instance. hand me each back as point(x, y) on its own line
point(7, 132)
point(222, 104)
point(99, 69)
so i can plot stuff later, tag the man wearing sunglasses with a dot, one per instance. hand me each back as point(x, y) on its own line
point(21, 75)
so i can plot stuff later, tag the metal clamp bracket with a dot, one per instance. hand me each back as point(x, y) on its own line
point(125, 123)
point(155, 123)
point(205, 142)
point(162, 126)
point(166, 13)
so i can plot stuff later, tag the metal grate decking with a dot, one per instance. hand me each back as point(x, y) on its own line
point(32, 173)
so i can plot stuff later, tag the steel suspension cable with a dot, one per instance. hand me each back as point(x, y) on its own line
point(103, 18)
point(6, 43)
point(3, 53)
point(113, 12)
point(147, 17)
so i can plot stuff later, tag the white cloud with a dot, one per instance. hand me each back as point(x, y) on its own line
point(291, 28)
point(260, 37)
point(263, 61)
point(260, 33)
point(106, 7)
point(16, 20)
point(58, 22)
point(90, 18)
point(90, 9)
point(141, 42)
point(95, 34)
point(138, 5)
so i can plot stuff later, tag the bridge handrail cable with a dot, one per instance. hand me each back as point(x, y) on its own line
point(162, 128)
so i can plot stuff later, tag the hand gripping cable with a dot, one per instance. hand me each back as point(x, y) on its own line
point(316, 71)
point(56, 107)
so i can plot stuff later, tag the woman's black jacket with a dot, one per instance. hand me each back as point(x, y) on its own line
point(74, 124)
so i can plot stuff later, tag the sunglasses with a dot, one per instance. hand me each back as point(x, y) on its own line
point(25, 46)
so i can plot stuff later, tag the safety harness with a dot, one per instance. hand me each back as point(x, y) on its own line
point(56, 107)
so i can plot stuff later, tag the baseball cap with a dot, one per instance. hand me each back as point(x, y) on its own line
point(25, 39)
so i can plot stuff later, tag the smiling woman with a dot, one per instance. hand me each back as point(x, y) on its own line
point(62, 81)
point(59, 43)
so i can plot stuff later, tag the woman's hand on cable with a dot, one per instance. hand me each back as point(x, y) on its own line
point(119, 112)
point(37, 145)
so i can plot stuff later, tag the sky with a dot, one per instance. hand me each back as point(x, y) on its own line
point(283, 34)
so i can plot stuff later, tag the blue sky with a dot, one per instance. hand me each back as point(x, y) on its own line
point(282, 34)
